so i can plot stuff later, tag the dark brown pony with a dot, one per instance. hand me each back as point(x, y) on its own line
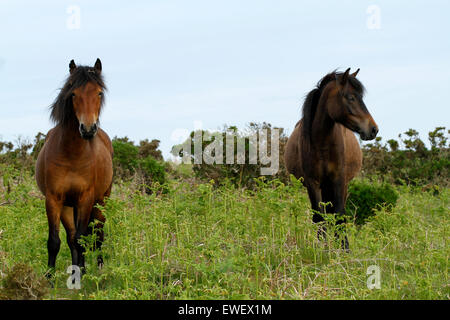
point(323, 149)
point(74, 168)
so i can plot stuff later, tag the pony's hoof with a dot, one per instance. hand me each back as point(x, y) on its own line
point(345, 246)
point(50, 278)
point(322, 233)
point(49, 274)
point(100, 263)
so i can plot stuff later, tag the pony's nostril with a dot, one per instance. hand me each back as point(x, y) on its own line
point(374, 131)
point(82, 127)
point(94, 127)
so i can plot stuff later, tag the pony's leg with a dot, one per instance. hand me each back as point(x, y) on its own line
point(315, 197)
point(67, 219)
point(53, 206)
point(98, 231)
point(83, 217)
point(339, 199)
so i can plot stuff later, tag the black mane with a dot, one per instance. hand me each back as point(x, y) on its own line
point(312, 99)
point(62, 108)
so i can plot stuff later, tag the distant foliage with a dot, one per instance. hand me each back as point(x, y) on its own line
point(407, 161)
point(143, 162)
point(410, 161)
point(404, 161)
point(364, 197)
point(241, 175)
point(22, 154)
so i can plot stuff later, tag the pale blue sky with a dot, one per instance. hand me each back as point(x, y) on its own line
point(170, 63)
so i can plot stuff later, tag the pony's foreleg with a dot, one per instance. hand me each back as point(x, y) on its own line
point(339, 199)
point(315, 197)
point(53, 206)
point(67, 218)
point(97, 230)
point(83, 216)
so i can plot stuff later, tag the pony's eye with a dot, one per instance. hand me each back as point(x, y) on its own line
point(100, 94)
point(351, 98)
point(73, 94)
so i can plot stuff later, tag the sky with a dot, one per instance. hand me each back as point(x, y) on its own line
point(174, 65)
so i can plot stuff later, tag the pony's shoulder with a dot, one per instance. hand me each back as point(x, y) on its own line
point(105, 139)
point(49, 134)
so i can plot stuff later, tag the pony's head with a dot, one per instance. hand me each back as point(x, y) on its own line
point(345, 105)
point(81, 99)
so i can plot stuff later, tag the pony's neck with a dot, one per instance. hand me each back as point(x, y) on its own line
point(323, 125)
point(71, 140)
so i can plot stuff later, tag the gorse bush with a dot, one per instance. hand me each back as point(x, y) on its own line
point(152, 170)
point(125, 158)
point(413, 164)
point(131, 161)
point(406, 161)
point(233, 170)
point(21, 155)
point(144, 162)
point(364, 197)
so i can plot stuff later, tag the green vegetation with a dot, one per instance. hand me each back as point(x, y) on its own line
point(413, 164)
point(365, 197)
point(240, 175)
point(200, 239)
point(143, 162)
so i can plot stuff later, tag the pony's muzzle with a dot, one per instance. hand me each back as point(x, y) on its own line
point(370, 135)
point(88, 132)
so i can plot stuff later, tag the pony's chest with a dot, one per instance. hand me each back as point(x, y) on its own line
point(79, 178)
point(329, 163)
point(72, 176)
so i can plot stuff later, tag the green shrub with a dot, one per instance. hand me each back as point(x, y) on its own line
point(137, 161)
point(240, 175)
point(153, 170)
point(125, 157)
point(414, 164)
point(365, 197)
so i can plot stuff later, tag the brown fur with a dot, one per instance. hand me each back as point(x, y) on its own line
point(75, 173)
point(324, 150)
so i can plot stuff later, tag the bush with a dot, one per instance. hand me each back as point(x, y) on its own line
point(131, 161)
point(152, 170)
point(240, 175)
point(365, 197)
point(414, 164)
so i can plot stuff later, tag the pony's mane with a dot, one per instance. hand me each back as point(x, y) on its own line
point(62, 109)
point(312, 99)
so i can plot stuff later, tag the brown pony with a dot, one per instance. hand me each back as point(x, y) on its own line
point(74, 168)
point(323, 149)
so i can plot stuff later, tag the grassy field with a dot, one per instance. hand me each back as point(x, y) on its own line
point(200, 242)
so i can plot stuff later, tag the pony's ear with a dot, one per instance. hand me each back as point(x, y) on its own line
point(355, 73)
point(98, 66)
point(345, 77)
point(72, 66)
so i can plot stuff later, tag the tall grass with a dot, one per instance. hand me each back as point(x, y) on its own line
point(200, 242)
